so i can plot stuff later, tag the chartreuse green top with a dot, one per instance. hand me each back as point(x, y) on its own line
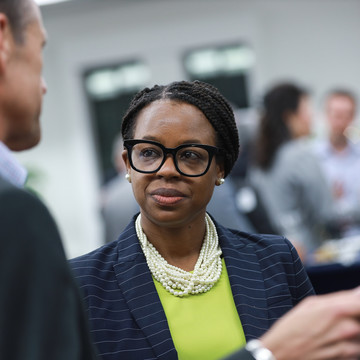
point(204, 326)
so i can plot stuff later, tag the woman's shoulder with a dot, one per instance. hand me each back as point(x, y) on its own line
point(258, 242)
point(296, 149)
point(297, 160)
point(107, 250)
point(268, 248)
point(94, 262)
point(292, 158)
point(272, 255)
point(103, 259)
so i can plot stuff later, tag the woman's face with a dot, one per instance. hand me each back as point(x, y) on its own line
point(299, 122)
point(166, 197)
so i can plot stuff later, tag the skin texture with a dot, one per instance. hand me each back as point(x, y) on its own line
point(22, 86)
point(172, 205)
point(340, 113)
point(322, 327)
point(299, 122)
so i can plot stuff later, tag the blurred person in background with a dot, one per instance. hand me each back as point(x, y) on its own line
point(224, 209)
point(285, 171)
point(41, 313)
point(339, 155)
point(246, 196)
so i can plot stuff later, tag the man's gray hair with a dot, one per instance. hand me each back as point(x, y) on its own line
point(18, 13)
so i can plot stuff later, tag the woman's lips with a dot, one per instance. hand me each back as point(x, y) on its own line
point(167, 196)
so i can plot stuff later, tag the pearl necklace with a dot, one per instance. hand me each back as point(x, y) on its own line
point(177, 281)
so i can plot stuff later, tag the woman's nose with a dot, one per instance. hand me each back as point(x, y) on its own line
point(168, 167)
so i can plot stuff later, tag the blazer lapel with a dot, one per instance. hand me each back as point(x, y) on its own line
point(246, 282)
point(138, 289)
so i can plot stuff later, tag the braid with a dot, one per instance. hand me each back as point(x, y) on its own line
point(206, 98)
point(140, 100)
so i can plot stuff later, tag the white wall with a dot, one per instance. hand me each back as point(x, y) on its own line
point(312, 41)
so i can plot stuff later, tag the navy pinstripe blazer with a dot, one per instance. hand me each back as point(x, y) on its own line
point(127, 320)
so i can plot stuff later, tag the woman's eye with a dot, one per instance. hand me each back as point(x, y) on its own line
point(149, 153)
point(190, 155)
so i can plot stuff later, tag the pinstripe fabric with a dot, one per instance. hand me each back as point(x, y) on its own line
point(126, 316)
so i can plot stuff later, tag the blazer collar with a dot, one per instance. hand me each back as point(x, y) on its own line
point(137, 285)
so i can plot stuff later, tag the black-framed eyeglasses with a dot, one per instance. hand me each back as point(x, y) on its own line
point(148, 157)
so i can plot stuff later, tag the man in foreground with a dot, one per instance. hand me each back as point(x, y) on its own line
point(41, 314)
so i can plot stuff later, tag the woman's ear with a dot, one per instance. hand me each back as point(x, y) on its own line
point(126, 160)
point(220, 173)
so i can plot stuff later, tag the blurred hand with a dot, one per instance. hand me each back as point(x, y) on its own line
point(320, 327)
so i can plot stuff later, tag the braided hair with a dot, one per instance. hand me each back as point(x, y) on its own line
point(206, 98)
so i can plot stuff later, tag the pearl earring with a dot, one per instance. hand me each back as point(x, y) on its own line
point(221, 181)
point(128, 178)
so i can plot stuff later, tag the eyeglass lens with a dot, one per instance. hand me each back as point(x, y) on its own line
point(190, 160)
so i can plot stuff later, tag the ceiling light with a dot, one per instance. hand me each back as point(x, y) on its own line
point(48, 2)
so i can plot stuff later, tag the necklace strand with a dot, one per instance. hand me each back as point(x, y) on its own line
point(177, 281)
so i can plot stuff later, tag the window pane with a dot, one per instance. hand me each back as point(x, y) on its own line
point(225, 66)
point(109, 90)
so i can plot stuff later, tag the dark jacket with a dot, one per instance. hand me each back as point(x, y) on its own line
point(41, 312)
point(127, 319)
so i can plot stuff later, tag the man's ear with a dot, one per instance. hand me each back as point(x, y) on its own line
point(5, 41)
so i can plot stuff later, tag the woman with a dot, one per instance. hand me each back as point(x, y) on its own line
point(176, 284)
point(286, 172)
